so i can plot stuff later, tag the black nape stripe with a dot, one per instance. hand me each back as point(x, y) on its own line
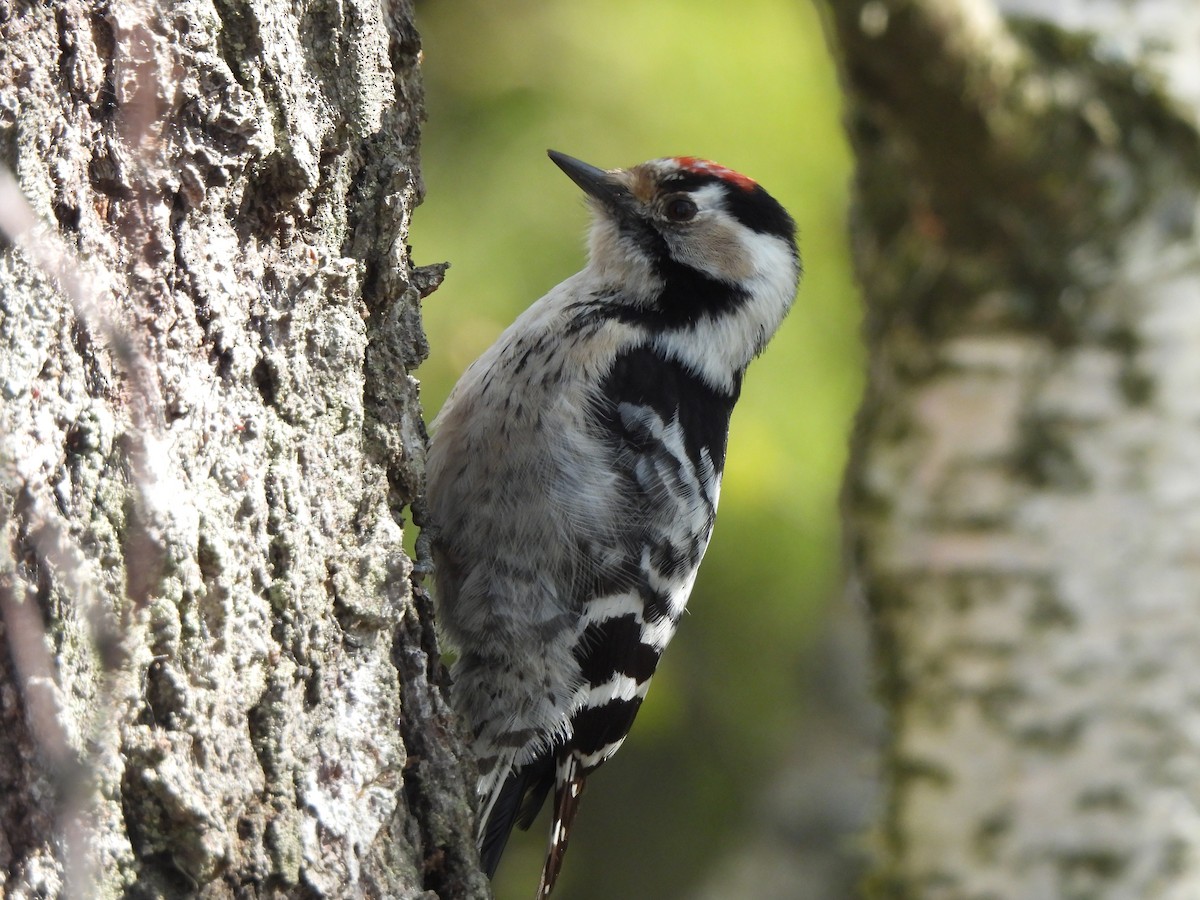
point(759, 211)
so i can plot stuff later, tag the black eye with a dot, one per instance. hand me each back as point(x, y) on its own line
point(681, 209)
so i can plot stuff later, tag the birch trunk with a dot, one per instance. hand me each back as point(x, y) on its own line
point(217, 679)
point(1024, 495)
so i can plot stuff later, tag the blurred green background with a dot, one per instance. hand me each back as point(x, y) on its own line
point(752, 86)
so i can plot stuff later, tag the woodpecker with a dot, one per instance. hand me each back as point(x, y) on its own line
point(574, 471)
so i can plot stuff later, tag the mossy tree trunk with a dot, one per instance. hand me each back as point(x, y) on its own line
point(216, 677)
point(1024, 496)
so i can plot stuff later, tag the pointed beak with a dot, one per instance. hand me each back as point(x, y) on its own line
point(597, 183)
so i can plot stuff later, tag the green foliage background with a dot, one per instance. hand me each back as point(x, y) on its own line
point(615, 82)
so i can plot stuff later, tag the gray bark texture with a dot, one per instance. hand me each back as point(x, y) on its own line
point(1024, 493)
point(216, 677)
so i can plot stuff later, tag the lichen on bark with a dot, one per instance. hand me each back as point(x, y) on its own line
point(1026, 239)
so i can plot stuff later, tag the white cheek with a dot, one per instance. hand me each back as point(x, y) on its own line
point(774, 269)
point(717, 348)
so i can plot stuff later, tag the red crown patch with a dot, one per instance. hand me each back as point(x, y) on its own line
point(708, 167)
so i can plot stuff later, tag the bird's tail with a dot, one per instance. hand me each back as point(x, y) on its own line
point(513, 800)
point(568, 787)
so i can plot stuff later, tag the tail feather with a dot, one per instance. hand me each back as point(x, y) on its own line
point(568, 788)
point(515, 803)
point(535, 793)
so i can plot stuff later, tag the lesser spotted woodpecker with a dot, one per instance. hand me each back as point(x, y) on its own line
point(573, 476)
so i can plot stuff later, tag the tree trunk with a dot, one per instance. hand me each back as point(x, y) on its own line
point(1024, 495)
point(217, 678)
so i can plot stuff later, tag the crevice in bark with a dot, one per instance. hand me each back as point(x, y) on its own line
point(429, 772)
point(104, 106)
point(162, 701)
point(238, 39)
point(266, 380)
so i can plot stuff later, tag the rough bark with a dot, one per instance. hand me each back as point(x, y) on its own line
point(217, 678)
point(1023, 494)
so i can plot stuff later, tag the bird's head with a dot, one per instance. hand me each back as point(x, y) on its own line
point(671, 217)
point(697, 255)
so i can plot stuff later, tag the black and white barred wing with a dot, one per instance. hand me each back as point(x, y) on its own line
point(668, 431)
